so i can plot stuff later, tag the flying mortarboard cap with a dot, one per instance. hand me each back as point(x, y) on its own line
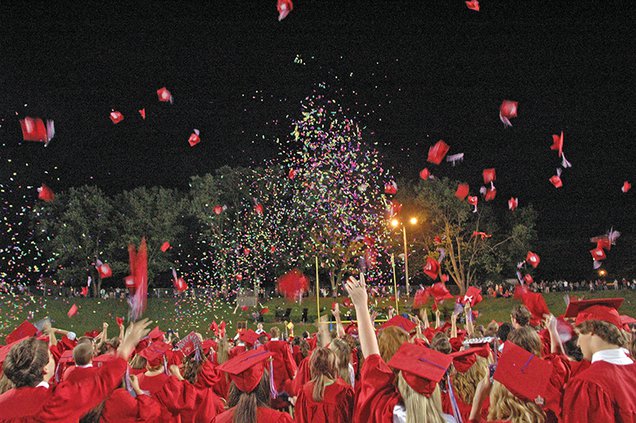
point(422, 368)
point(246, 369)
point(249, 337)
point(437, 152)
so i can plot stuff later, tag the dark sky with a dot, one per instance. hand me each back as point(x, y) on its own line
point(411, 74)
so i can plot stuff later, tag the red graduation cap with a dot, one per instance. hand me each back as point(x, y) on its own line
point(400, 322)
point(556, 181)
point(34, 129)
point(45, 194)
point(533, 259)
point(156, 334)
point(490, 194)
point(437, 152)
point(535, 303)
point(116, 117)
point(218, 209)
point(598, 254)
point(258, 208)
point(513, 203)
point(462, 191)
point(293, 284)
point(142, 112)
point(119, 320)
point(284, 7)
point(473, 5)
point(422, 368)
point(194, 138)
point(626, 186)
point(104, 271)
point(603, 309)
point(489, 175)
point(507, 111)
point(627, 320)
point(249, 337)
point(473, 200)
point(425, 174)
point(421, 298)
point(472, 296)
point(180, 284)
point(528, 278)
point(246, 369)
point(164, 95)
point(557, 143)
point(72, 311)
point(390, 188)
point(24, 330)
point(463, 360)
point(525, 375)
point(155, 352)
point(165, 247)
point(440, 292)
point(84, 291)
point(431, 268)
point(189, 344)
point(129, 281)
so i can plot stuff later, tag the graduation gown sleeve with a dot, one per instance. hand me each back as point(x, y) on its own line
point(586, 402)
point(377, 396)
point(72, 400)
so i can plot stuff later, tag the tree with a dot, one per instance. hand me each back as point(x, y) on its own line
point(338, 184)
point(158, 214)
point(477, 245)
point(75, 230)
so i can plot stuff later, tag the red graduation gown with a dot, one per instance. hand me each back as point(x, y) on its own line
point(121, 407)
point(303, 375)
point(335, 407)
point(66, 403)
point(283, 363)
point(77, 374)
point(211, 377)
point(174, 396)
point(603, 393)
point(263, 415)
point(208, 405)
point(377, 396)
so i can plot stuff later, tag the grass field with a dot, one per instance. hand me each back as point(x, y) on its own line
point(197, 314)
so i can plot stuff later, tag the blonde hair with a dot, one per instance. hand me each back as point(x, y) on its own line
point(505, 406)
point(275, 332)
point(322, 365)
point(390, 340)
point(223, 350)
point(464, 384)
point(420, 409)
point(342, 352)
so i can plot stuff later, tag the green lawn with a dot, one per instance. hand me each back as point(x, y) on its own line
point(196, 314)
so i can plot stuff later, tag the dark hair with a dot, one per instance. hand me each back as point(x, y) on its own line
point(192, 368)
point(504, 331)
point(25, 361)
point(247, 403)
point(323, 369)
point(441, 343)
point(606, 331)
point(521, 315)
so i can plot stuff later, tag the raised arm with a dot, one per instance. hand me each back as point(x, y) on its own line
point(339, 328)
point(357, 290)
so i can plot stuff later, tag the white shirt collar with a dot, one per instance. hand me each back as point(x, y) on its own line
point(42, 384)
point(85, 366)
point(613, 356)
point(274, 339)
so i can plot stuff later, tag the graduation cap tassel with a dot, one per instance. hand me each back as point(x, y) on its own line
point(451, 394)
point(272, 387)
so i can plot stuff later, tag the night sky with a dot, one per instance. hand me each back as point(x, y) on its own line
point(410, 74)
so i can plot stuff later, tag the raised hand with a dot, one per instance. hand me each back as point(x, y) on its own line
point(133, 335)
point(357, 290)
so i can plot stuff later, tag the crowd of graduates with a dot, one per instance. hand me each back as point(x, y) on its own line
point(535, 368)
